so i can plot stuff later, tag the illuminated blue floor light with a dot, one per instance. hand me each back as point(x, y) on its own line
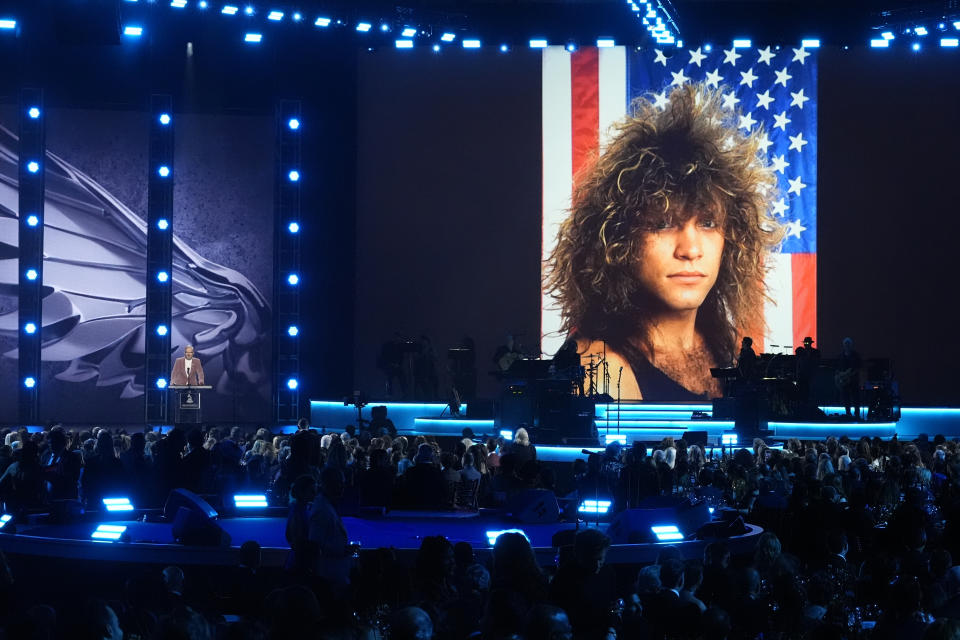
point(293, 331)
point(163, 224)
point(595, 507)
point(504, 48)
point(7, 23)
point(293, 279)
point(249, 10)
point(506, 434)
point(161, 329)
point(292, 384)
point(30, 328)
point(203, 4)
point(161, 383)
point(408, 32)
point(436, 48)
point(363, 27)
point(276, 16)
point(32, 220)
point(887, 35)
point(616, 437)
point(5, 518)
point(920, 31)
point(108, 532)
point(250, 501)
point(293, 227)
point(667, 532)
point(32, 274)
point(322, 22)
point(384, 27)
point(33, 166)
point(33, 112)
point(293, 123)
point(915, 46)
point(229, 10)
point(448, 37)
point(403, 44)
point(29, 382)
point(538, 43)
point(571, 47)
point(163, 171)
point(132, 32)
point(294, 176)
point(163, 276)
point(471, 44)
point(253, 38)
point(297, 16)
point(118, 504)
point(164, 119)
point(493, 535)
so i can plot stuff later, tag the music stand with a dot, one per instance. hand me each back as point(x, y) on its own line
point(187, 408)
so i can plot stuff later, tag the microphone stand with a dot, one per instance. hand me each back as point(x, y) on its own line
point(619, 378)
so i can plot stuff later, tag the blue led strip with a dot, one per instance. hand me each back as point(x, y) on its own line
point(288, 279)
point(31, 188)
point(160, 278)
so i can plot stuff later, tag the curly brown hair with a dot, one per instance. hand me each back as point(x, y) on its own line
point(666, 166)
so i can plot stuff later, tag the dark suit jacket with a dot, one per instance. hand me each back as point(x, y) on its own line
point(179, 373)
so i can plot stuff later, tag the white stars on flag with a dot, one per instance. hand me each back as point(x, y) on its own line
point(795, 228)
point(779, 163)
point(660, 100)
point(714, 78)
point(747, 121)
point(798, 98)
point(730, 100)
point(780, 207)
point(678, 78)
point(764, 100)
point(796, 185)
point(797, 142)
point(696, 57)
point(764, 142)
point(782, 77)
point(747, 77)
point(799, 55)
point(766, 56)
point(660, 59)
point(731, 56)
point(781, 121)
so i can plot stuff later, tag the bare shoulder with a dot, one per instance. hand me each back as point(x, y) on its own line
point(629, 390)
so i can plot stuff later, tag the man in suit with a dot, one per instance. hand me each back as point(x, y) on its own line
point(187, 370)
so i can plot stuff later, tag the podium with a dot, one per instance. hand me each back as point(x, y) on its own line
point(187, 408)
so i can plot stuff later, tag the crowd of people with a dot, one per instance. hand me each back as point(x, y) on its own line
point(859, 539)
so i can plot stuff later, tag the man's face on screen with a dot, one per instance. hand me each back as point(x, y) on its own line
point(680, 262)
point(188, 353)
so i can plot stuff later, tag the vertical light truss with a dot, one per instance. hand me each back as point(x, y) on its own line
point(159, 277)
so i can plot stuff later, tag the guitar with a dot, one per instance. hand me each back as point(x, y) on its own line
point(844, 377)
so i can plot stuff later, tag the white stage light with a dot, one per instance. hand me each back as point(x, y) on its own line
point(538, 43)
point(293, 227)
point(161, 330)
point(363, 27)
point(322, 22)
point(8, 24)
point(33, 166)
point(163, 224)
point(606, 42)
point(30, 328)
point(163, 171)
point(408, 32)
point(812, 43)
point(880, 43)
point(276, 16)
point(920, 31)
point(471, 44)
point(33, 112)
point(32, 220)
point(32, 274)
point(404, 44)
point(29, 382)
point(448, 37)
point(132, 32)
point(254, 38)
point(163, 276)
point(229, 10)
point(949, 42)
point(742, 44)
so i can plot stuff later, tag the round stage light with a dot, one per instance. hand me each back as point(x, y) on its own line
point(163, 276)
point(164, 118)
point(163, 224)
point(293, 227)
point(297, 17)
point(293, 123)
point(293, 279)
point(915, 46)
point(33, 166)
point(504, 48)
point(294, 175)
point(29, 382)
point(203, 4)
point(33, 112)
point(163, 171)
point(32, 274)
point(161, 383)
point(292, 384)
point(249, 11)
point(30, 328)
point(293, 331)
point(33, 220)
point(161, 329)
point(436, 47)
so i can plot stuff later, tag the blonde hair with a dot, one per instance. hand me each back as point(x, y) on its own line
point(520, 436)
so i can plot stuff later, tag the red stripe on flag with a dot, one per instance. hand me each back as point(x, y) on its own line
point(804, 268)
point(585, 103)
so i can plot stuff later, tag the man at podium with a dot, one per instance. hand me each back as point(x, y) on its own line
point(187, 370)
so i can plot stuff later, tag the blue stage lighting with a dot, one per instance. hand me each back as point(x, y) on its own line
point(294, 175)
point(161, 383)
point(33, 166)
point(276, 16)
point(163, 224)
point(493, 535)
point(229, 10)
point(31, 274)
point(249, 10)
point(293, 123)
point(729, 439)
point(164, 119)
point(253, 38)
point(408, 32)
point(538, 43)
point(29, 382)
point(162, 329)
point(956, 25)
point(203, 4)
point(915, 46)
point(293, 279)
point(8, 24)
point(742, 43)
point(667, 532)
point(595, 507)
point(32, 220)
point(363, 27)
point(879, 43)
point(384, 27)
point(292, 384)
point(4, 519)
point(811, 43)
point(606, 42)
point(297, 16)
point(403, 44)
point(108, 532)
point(178, 4)
point(248, 501)
point(293, 227)
point(163, 171)
point(504, 48)
point(448, 37)
point(162, 276)
point(293, 331)
point(117, 504)
point(708, 48)
point(322, 22)
point(949, 42)
point(920, 31)
point(30, 328)
point(436, 47)
point(615, 437)
point(571, 47)
point(506, 434)
point(33, 112)
point(473, 43)
point(887, 35)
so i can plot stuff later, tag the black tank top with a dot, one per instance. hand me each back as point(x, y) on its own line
point(654, 384)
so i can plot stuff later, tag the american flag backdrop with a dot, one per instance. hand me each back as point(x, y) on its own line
point(585, 91)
